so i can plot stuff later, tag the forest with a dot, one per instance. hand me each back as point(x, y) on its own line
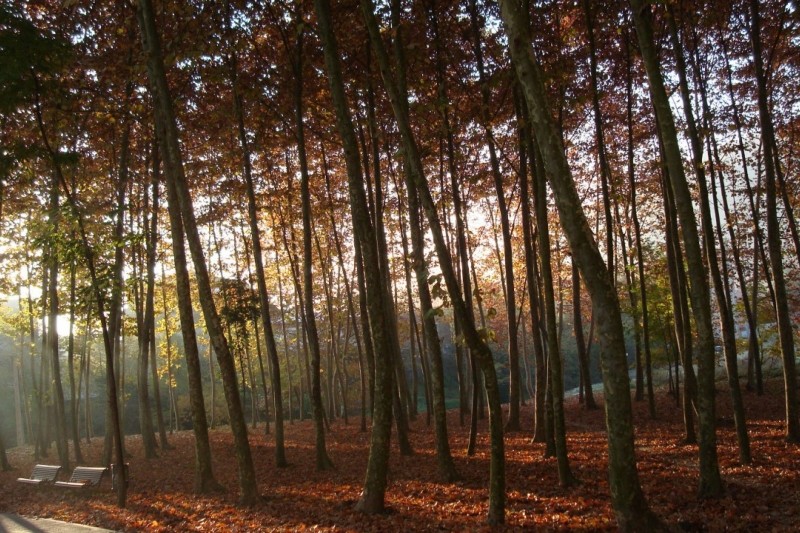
point(450, 230)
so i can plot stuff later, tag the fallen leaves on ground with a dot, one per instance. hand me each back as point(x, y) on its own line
point(761, 496)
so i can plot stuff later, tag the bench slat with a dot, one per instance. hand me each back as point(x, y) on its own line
point(83, 476)
point(41, 474)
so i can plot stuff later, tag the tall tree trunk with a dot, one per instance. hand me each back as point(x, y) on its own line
point(53, 389)
point(710, 479)
point(478, 347)
point(176, 179)
point(373, 494)
point(628, 499)
point(144, 319)
point(527, 154)
point(583, 353)
point(281, 308)
point(637, 228)
point(447, 469)
point(350, 304)
point(726, 314)
point(88, 254)
point(150, 312)
point(753, 350)
point(513, 422)
point(680, 310)
point(74, 391)
point(204, 480)
point(400, 405)
point(555, 428)
point(605, 169)
point(774, 238)
point(458, 208)
point(263, 296)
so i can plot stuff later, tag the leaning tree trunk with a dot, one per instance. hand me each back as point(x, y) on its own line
point(726, 313)
point(478, 347)
point(458, 209)
point(263, 296)
point(680, 311)
point(204, 480)
point(373, 494)
point(447, 469)
point(73, 389)
point(583, 353)
point(774, 239)
point(710, 479)
point(176, 178)
point(150, 312)
point(628, 499)
point(637, 228)
point(513, 422)
point(555, 427)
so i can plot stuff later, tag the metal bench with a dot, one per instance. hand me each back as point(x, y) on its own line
point(42, 474)
point(83, 477)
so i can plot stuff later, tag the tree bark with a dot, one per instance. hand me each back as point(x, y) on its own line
point(204, 480)
point(258, 257)
point(726, 314)
point(774, 245)
point(478, 347)
point(513, 422)
point(710, 479)
point(176, 178)
point(373, 494)
point(628, 499)
point(145, 319)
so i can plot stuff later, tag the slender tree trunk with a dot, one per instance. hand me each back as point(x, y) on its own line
point(605, 169)
point(710, 479)
point(373, 494)
point(774, 244)
point(88, 254)
point(149, 313)
point(726, 314)
point(680, 310)
point(447, 469)
point(263, 296)
point(583, 354)
point(350, 304)
point(513, 422)
point(458, 207)
point(628, 499)
point(478, 347)
point(637, 228)
point(50, 264)
point(74, 391)
point(204, 480)
point(144, 319)
point(400, 387)
point(527, 154)
point(176, 179)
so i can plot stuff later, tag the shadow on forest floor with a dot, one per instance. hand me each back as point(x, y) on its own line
point(761, 496)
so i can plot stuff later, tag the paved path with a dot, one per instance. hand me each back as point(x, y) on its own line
point(11, 523)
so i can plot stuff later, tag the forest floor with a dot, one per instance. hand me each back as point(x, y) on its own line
point(762, 496)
